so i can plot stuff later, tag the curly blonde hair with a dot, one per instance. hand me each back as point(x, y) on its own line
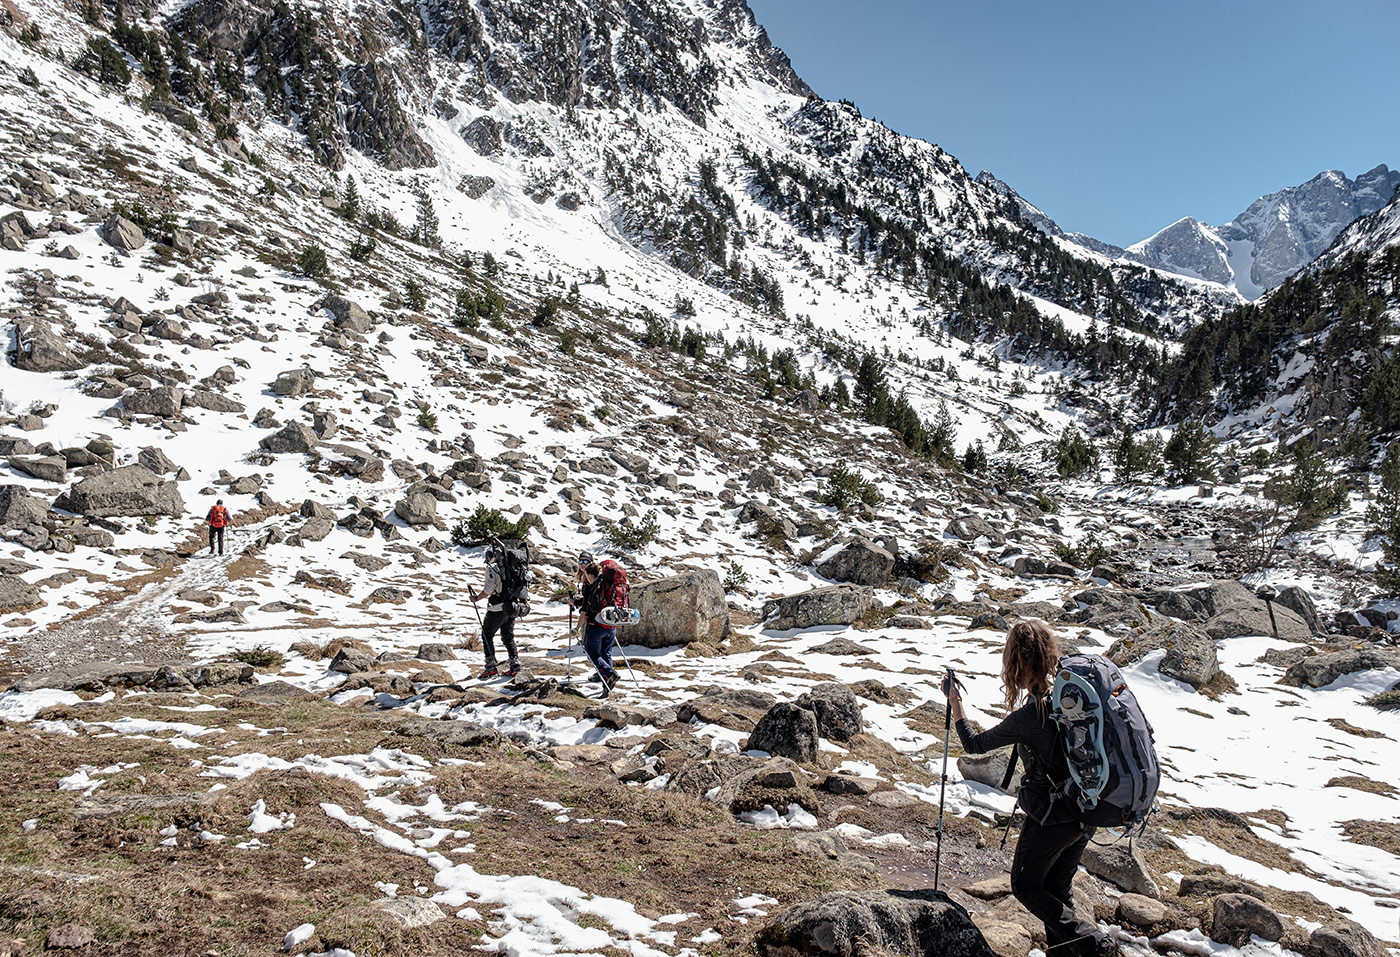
point(1031, 655)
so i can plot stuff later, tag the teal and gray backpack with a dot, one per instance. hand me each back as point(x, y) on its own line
point(1108, 743)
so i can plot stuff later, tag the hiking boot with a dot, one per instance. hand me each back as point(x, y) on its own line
point(512, 669)
point(609, 681)
point(490, 672)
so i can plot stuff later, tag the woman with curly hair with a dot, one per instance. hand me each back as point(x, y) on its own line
point(1052, 838)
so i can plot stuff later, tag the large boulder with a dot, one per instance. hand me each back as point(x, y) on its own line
point(213, 401)
point(349, 315)
point(1301, 604)
point(1217, 596)
point(46, 468)
point(787, 731)
point(990, 769)
point(417, 508)
point(131, 490)
point(1254, 618)
point(836, 709)
point(39, 349)
point(163, 400)
point(1121, 864)
point(1112, 610)
point(294, 382)
point(16, 594)
point(1343, 939)
point(860, 562)
point(897, 923)
point(292, 437)
point(832, 605)
point(156, 460)
point(121, 233)
point(1237, 917)
point(679, 610)
point(969, 528)
point(1191, 655)
point(1319, 671)
point(19, 507)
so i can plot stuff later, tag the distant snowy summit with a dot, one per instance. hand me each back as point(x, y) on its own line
point(1275, 237)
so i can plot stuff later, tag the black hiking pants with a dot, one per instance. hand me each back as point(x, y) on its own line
point(216, 533)
point(504, 622)
point(1042, 876)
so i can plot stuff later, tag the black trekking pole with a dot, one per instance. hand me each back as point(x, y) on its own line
point(471, 592)
point(568, 649)
point(949, 683)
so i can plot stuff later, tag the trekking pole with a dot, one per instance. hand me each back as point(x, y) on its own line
point(949, 683)
point(625, 659)
point(472, 593)
point(568, 649)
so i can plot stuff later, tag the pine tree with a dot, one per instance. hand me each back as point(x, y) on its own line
point(1307, 492)
point(425, 227)
point(1074, 455)
point(1384, 516)
point(1189, 452)
point(350, 202)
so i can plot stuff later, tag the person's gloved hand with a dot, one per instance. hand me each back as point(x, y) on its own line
point(951, 687)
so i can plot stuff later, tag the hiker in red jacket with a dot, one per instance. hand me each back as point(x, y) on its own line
point(218, 519)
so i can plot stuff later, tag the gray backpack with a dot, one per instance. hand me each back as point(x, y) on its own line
point(1108, 743)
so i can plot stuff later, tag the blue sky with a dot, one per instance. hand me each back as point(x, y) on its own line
point(1117, 118)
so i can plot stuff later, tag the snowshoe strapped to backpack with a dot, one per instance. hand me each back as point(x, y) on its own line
point(1107, 740)
point(516, 576)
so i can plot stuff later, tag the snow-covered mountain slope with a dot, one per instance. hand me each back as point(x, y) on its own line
point(1275, 237)
point(1377, 232)
point(382, 276)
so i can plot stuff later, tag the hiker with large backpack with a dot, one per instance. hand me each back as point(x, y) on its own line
point(605, 586)
point(1110, 779)
point(218, 519)
point(505, 587)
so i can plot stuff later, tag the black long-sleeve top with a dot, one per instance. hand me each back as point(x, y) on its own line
point(1037, 741)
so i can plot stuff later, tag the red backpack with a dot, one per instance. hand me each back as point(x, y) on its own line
point(218, 516)
point(612, 585)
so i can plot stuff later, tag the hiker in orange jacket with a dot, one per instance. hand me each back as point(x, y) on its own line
point(218, 519)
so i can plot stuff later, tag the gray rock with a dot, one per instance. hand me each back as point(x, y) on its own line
point(349, 661)
point(1191, 655)
point(787, 731)
point(294, 382)
point(831, 605)
point(388, 594)
point(1218, 596)
point(39, 349)
point(121, 233)
point(132, 490)
point(213, 401)
point(861, 562)
point(418, 508)
point(1252, 618)
point(163, 401)
point(678, 611)
point(435, 651)
point(210, 673)
point(16, 445)
point(168, 329)
point(49, 468)
point(1123, 865)
point(1032, 567)
point(1237, 917)
point(349, 315)
point(898, 923)
point(294, 437)
point(1301, 604)
point(990, 769)
point(1319, 671)
point(1144, 912)
point(615, 717)
point(972, 527)
point(836, 708)
point(315, 529)
point(483, 134)
point(841, 646)
point(1343, 939)
point(157, 461)
point(18, 507)
point(18, 595)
